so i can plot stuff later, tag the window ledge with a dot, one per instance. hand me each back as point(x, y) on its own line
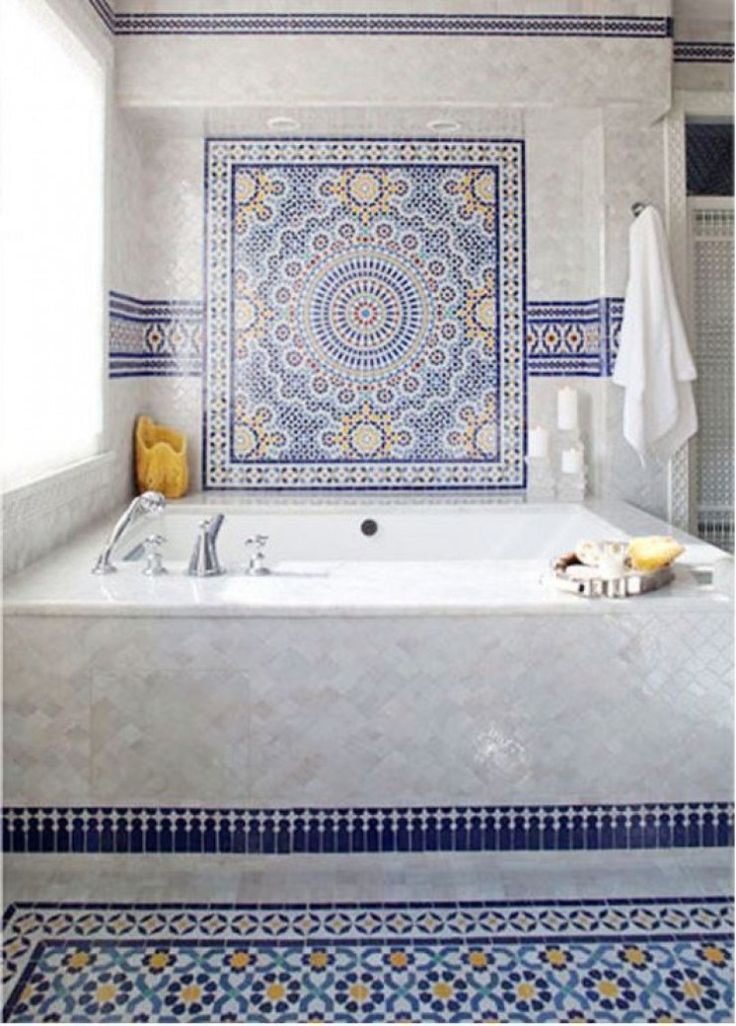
point(46, 494)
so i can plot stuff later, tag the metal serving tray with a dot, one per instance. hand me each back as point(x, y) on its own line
point(563, 577)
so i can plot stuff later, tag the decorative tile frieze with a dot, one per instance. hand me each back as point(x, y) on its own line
point(365, 314)
point(564, 338)
point(344, 831)
point(154, 337)
point(576, 338)
point(613, 319)
point(381, 23)
point(689, 52)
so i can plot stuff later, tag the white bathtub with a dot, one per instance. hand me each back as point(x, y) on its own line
point(406, 533)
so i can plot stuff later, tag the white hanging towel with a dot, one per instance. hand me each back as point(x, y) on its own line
point(654, 364)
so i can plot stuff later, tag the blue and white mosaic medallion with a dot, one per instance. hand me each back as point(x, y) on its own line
point(365, 314)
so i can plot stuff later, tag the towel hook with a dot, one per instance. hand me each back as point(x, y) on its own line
point(636, 208)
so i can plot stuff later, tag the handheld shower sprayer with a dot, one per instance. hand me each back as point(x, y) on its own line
point(147, 504)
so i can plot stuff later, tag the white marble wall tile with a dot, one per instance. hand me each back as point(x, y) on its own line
point(715, 78)
point(622, 473)
point(558, 222)
point(317, 69)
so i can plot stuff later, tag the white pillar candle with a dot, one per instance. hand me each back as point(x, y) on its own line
point(567, 409)
point(572, 461)
point(538, 443)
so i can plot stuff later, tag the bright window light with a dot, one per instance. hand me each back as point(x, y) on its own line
point(52, 131)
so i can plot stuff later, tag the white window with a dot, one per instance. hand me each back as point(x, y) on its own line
point(52, 132)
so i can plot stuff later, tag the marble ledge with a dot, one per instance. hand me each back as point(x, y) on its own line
point(335, 589)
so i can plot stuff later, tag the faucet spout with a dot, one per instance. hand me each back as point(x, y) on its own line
point(147, 504)
point(214, 526)
point(204, 561)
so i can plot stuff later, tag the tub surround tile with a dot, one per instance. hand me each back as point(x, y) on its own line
point(151, 734)
point(371, 711)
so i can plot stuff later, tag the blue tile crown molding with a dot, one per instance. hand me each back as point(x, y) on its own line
point(564, 338)
point(365, 314)
point(687, 52)
point(381, 23)
point(154, 337)
point(353, 830)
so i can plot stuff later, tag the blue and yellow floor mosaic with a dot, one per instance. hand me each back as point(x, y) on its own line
point(650, 960)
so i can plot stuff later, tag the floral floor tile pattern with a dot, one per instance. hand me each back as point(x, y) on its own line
point(649, 960)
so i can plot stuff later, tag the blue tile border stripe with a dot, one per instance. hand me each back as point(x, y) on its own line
point(689, 52)
point(163, 338)
point(149, 830)
point(381, 23)
point(154, 337)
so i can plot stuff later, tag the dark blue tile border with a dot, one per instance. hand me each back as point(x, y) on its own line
point(691, 52)
point(353, 830)
point(381, 23)
point(154, 337)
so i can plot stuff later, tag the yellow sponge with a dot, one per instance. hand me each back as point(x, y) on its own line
point(160, 459)
point(653, 552)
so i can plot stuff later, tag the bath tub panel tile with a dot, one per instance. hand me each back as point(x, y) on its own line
point(168, 738)
point(46, 737)
point(366, 711)
point(488, 711)
point(42, 643)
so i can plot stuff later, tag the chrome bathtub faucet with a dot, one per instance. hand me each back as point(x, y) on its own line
point(147, 504)
point(257, 563)
point(204, 561)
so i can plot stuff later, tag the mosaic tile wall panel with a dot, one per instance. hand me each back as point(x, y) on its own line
point(345, 831)
point(605, 960)
point(365, 314)
point(154, 337)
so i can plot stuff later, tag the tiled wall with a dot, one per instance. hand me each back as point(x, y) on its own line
point(583, 90)
point(593, 147)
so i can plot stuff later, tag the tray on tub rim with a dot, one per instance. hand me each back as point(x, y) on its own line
point(562, 576)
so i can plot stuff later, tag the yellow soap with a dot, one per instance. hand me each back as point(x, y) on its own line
point(653, 552)
point(160, 459)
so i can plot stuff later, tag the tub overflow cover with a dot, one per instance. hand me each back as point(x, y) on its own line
point(369, 528)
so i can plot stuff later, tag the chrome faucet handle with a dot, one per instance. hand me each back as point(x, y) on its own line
point(154, 565)
point(257, 562)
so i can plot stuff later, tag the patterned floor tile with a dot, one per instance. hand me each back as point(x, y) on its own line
point(648, 960)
